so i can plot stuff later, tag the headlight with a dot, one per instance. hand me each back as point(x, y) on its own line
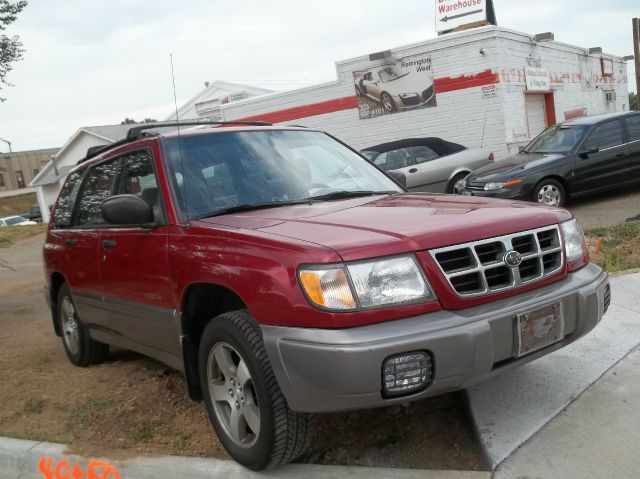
point(575, 245)
point(375, 283)
point(408, 95)
point(499, 186)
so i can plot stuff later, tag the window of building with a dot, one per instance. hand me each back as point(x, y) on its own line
point(35, 172)
point(20, 179)
point(1, 180)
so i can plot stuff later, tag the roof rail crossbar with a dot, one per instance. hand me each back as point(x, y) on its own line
point(96, 150)
point(136, 132)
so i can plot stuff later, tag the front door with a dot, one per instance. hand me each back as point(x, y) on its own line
point(134, 266)
point(608, 165)
point(536, 114)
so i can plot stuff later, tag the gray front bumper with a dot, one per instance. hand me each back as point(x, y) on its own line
point(322, 370)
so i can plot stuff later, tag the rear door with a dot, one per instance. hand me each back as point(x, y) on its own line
point(81, 241)
point(633, 126)
point(609, 165)
point(134, 266)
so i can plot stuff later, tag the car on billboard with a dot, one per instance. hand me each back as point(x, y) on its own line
point(428, 164)
point(394, 88)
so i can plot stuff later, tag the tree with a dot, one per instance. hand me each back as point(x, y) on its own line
point(633, 101)
point(131, 121)
point(10, 46)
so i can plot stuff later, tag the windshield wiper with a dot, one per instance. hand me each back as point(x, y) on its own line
point(249, 207)
point(339, 195)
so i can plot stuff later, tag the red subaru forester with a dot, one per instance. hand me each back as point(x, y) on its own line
point(285, 275)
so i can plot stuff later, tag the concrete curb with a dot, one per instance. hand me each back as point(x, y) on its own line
point(511, 408)
point(19, 460)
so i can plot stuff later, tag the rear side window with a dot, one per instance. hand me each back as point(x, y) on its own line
point(63, 213)
point(633, 123)
point(97, 188)
point(424, 154)
point(606, 135)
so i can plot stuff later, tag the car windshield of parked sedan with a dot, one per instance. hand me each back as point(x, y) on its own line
point(14, 220)
point(389, 74)
point(214, 173)
point(369, 155)
point(557, 139)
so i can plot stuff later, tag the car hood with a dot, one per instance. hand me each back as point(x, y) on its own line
point(385, 225)
point(405, 84)
point(513, 166)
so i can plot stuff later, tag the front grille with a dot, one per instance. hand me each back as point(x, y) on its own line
point(475, 186)
point(479, 267)
point(411, 100)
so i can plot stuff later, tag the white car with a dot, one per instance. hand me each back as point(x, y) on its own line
point(394, 88)
point(428, 164)
point(16, 221)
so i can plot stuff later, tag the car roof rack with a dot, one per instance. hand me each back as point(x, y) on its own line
point(138, 132)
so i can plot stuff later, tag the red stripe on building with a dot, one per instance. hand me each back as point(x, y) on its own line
point(442, 85)
point(486, 77)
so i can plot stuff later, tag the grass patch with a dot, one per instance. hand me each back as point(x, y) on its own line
point(12, 234)
point(39, 360)
point(620, 246)
point(143, 430)
point(33, 405)
point(17, 205)
point(81, 415)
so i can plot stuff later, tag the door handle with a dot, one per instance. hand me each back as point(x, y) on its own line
point(109, 244)
point(69, 242)
point(413, 170)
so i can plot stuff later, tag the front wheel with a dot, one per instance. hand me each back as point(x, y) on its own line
point(242, 397)
point(455, 185)
point(387, 102)
point(550, 193)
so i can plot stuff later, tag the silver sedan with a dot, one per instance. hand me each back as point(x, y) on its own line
point(429, 164)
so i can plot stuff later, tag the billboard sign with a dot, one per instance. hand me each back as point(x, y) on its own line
point(451, 14)
point(395, 86)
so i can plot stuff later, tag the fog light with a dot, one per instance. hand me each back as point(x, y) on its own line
point(406, 373)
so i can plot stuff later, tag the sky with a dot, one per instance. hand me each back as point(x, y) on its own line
point(96, 62)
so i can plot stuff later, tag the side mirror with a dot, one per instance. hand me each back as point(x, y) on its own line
point(592, 149)
point(399, 177)
point(127, 210)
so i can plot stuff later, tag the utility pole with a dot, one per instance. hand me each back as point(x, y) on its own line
point(636, 51)
point(8, 143)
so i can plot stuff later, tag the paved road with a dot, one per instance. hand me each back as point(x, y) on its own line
point(607, 209)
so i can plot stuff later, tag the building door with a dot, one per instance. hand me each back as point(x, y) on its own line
point(536, 114)
point(20, 179)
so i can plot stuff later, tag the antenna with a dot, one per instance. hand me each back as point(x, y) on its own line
point(175, 103)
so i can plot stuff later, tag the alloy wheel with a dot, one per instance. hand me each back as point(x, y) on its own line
point(549, 195)
point(232, 394)
point(70, 333)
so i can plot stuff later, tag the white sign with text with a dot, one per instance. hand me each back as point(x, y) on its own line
point(451, 14)
point(537, 79)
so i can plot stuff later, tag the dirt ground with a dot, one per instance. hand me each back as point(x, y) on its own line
point(131, 405)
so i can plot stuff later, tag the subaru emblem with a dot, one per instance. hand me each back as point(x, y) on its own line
point(513, 259)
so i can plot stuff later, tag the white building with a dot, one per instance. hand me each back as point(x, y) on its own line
point(494, 87)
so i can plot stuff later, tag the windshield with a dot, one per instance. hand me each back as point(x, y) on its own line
point(557, 139)
point(219, 171)
point(390, 73)
point(14, 220)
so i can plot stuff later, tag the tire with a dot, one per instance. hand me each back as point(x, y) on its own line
point(550, 192)
point(387, 102)
point(264, 432)
point(80, 348)
point(451, 187)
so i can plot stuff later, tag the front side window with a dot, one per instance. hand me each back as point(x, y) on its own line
point(138, 177)
point(62, 215)
point(606, 135)
point(221, 170)
point(97, 188)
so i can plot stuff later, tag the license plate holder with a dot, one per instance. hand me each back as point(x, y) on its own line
point(538, 328)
